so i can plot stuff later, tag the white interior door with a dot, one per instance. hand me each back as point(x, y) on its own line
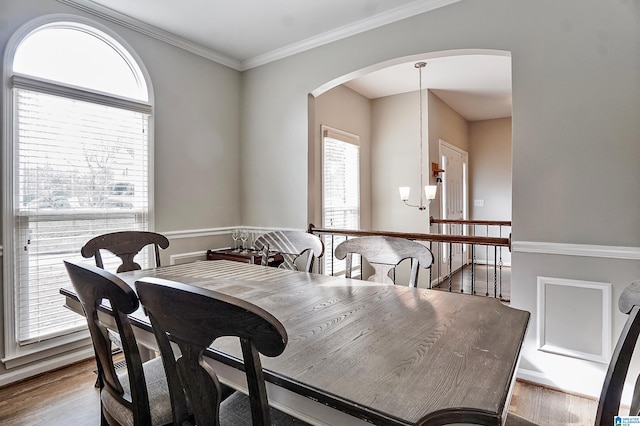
point(454, 202)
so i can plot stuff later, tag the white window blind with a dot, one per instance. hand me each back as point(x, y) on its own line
point(340, 190)
point(82, 170)
point(80, 167)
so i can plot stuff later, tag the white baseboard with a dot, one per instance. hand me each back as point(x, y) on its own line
point(591, 391)
point(491, 263)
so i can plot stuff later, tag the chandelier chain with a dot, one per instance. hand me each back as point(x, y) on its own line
point(430, 190)
point(421, 65)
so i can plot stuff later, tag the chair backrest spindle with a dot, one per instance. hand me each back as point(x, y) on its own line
point(126, 245)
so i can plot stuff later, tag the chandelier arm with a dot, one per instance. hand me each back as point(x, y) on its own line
point(419, 207)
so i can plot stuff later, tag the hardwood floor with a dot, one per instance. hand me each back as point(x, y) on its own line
point(62, 397)
point(68, 397)
point(546, 406)
point(499, 281)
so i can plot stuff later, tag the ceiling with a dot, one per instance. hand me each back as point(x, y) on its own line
point(476, 85)
point(244, 34)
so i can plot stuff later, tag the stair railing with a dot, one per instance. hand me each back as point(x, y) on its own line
point(436, 242)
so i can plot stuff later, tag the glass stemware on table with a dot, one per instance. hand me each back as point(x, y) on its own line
point(244, 235)
point(235, 235)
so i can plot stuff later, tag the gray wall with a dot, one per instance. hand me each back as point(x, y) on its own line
point(396, 162)
point(346, 110)
point(196, 126)
point(553, 96)
point(576, 99)
point(490, 169)
point(490, 178)
point(447, 125)
point(396, 156)
point(197, 140)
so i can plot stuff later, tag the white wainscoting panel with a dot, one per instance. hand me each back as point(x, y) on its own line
point(180, 258)
point(560, 316)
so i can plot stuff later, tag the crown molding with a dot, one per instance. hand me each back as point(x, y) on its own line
point(414, 8)
point(118, 18)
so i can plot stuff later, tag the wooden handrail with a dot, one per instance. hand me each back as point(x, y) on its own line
point(441, 238)
point(432, 220)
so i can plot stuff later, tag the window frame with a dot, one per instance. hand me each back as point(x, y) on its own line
point(14, 354)
point(347, 138)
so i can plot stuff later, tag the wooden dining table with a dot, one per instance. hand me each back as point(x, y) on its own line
point(361, 352)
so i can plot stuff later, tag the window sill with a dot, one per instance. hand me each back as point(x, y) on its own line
point(48, 349)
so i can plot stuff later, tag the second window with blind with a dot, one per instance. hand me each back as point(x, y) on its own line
point(340, 190)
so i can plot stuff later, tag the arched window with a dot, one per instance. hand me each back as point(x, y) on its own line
point(77, 156)
point(77, 55)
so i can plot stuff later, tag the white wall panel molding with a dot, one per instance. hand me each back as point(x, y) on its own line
point(197, 233)
point(559, 316)
point(584, 250)
point(187, 257)
point(212, 232)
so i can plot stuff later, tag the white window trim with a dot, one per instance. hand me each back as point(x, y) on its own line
point(346, 137)
point(330, 132)
point(14, 354)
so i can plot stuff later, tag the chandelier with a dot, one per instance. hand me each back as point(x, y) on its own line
point(429, 190)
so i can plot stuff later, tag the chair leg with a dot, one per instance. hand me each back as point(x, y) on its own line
point(98, 372)
point(103, 419)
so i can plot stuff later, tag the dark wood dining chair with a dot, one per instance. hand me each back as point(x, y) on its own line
point(141, 395)
point(384, 254)
point(611, 394)
point(126, 245)
point(291, 245)
point(193, 320)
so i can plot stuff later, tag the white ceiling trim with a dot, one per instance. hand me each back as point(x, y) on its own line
point(151, 31)
point(415, 8)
